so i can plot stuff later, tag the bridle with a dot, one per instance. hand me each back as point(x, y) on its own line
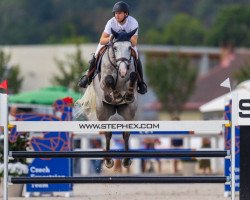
point(121, 60)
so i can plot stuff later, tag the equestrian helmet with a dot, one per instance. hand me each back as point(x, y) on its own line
point(121, 6)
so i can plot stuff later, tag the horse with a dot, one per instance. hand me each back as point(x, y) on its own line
point(115, 87)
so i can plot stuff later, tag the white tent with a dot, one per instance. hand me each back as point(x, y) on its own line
point(218, 104)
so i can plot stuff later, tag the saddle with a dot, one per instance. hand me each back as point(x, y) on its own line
point(99, 59)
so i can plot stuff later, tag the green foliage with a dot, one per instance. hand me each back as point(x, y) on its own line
point(54, 21)
point(21, 144)
point(181, 30)
point(173, 80)
point(231, 27)
point(242, 74)
point(154, 36)
point(70, 70)
point(10, 72)
point(17, 166)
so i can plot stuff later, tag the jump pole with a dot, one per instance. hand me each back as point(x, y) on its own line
point(4, 124)
point(119, 154)
point(121, 179)
point(95, 126)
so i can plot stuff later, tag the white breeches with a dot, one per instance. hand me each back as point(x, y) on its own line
point(100, 46)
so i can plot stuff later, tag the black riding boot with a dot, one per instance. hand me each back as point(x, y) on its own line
point(86, 79)
point(142, 87)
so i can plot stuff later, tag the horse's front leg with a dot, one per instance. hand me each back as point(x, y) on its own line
point(126, 161)
point(110, 94)
point(129, 95)
point(108, 161)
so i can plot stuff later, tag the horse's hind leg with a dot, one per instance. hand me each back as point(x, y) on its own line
point(108, 161)
point(126, 161)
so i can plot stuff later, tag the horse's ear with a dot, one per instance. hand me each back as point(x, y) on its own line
point(114, 33)
point(131, 33)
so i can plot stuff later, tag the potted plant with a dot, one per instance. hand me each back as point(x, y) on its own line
point(17, 166)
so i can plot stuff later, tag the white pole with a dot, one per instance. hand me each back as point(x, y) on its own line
point(95, 126)
point(4, 121)
point(135, 144)
point(233, 125)
point(84, 162)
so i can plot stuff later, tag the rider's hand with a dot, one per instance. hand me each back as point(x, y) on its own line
point(111, 38)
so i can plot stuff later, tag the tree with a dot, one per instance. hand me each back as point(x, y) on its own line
point(184, 30)
point(181, 30)
point(70, 70)
point(242, 74)
point(231, 27)
point(10, 72)
point(173, 80)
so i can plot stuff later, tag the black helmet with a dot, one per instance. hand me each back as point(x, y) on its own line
point(121, 6)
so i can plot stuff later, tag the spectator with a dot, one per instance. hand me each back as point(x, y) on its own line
point(96, 164)
point(149, 144)
point(205, 164)
point(176, 143)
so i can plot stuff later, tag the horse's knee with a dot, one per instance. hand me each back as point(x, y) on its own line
point(109, 81)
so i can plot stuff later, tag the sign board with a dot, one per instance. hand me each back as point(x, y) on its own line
point(241, 108)
point(55, 167)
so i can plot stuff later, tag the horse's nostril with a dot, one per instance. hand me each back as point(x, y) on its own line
point(122, 74)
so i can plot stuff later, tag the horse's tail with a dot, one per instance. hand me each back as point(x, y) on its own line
point(87, 104)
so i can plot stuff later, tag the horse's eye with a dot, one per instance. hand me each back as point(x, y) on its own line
point(115, 49)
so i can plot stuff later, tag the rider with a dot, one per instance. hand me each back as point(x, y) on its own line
point(120, 22)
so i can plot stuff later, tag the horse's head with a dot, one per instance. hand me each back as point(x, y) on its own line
point(122, 50)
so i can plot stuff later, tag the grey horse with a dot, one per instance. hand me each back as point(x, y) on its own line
point(115, 87)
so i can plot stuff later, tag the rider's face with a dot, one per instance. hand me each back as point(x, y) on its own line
point(120, 16)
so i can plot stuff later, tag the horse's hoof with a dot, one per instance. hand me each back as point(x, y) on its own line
point(108, 98)
point(126, 162)
point(109, 163)
point(129, 98)
point(117, 96)
point(117, 101)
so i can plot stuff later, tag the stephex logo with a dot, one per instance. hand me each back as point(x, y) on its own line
point(244, 107)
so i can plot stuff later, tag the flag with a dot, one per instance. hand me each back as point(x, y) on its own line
point(226, 83)
point(4, 85)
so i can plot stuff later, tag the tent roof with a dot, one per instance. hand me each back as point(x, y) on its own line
point(218, 104)
point(44, 96)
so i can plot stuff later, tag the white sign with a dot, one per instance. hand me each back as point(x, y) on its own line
point(241, 108)
point(94, 126)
